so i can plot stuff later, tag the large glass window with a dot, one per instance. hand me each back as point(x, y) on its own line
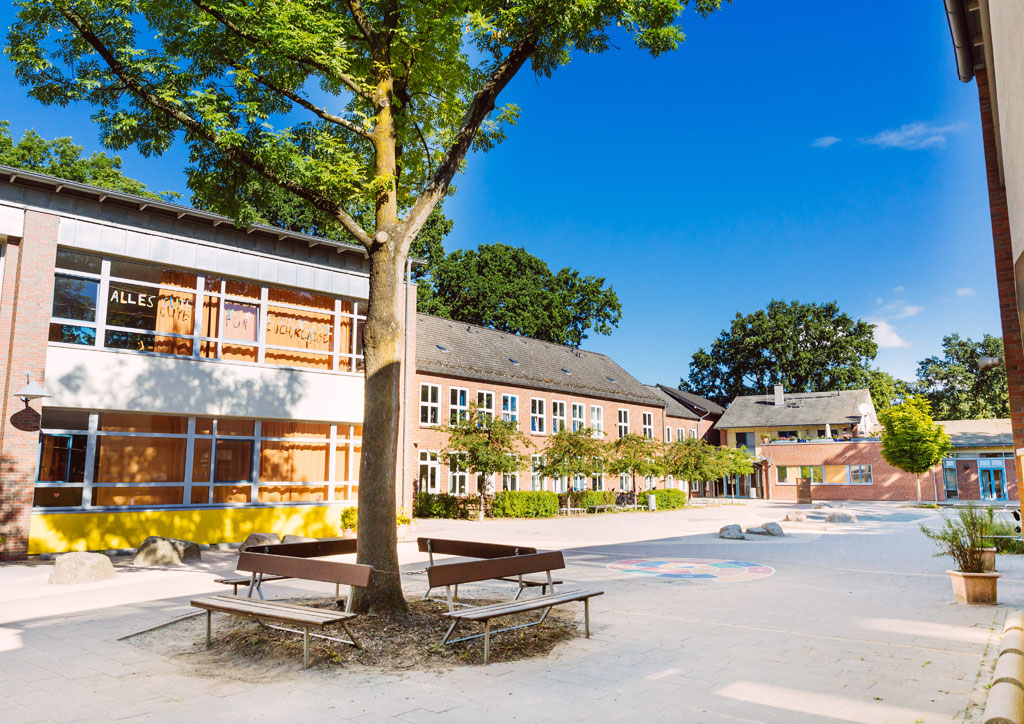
point(458, 404)
point(647, 425)
point(510, 408)
point(623, 422)
point(430, 404)
point(537, 416)
point(485, 403)
point(428, 471)
point(578, 416)
point(121, 304)
point(557, 415)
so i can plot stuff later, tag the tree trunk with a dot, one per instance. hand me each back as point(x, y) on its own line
point(919, 487)
point(382, 337)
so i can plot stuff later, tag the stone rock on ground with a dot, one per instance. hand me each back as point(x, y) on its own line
point(820, 506)
point(731, 532)
point(297, 539)
point(796, 516)
point(259, 539)
point(774, 530)
point(157, 551)
point(757, 530)
point(839, 517)
point(81, 567)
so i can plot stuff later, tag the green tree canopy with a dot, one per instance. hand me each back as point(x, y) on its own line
point(633, 454)
point(484, 444)
point(573, 452)
point(509, 289)
point(342, 106)
point(63, 159)
point(805, 347)
point(911, 441)
point(691, 459)
point(956, 388)
point(887, 390)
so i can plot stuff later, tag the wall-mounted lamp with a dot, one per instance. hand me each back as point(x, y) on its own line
point(31, 390)
point(987, 363)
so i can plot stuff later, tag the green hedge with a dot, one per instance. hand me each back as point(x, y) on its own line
point(525, 504)
point(443, 505)
point(586, 498)
point(667, 499)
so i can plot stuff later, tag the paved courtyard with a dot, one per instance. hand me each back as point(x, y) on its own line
point(849, 623)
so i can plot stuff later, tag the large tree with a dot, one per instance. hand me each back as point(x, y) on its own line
point(339, 105)
point(887, 390)
point(911, 440)
point(805, 347)
point(62, 158)
point(500, 286)
point(956, 388)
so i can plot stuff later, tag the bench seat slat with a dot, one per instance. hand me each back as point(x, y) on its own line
point(530, 581)
point(280, 612)
point(276, 605)
point(494, 610)
point(246, 579)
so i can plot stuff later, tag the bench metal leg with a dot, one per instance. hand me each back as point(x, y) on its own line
point(352, 636)
point(305, 647)
point(487, 640)
point(209, 615)
point(451, 630)
point(586, 616)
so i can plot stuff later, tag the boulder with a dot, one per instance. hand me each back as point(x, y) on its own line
point(840, 517)
point(157, 551)
point(259, 539)
point(774, 530)
point(731, 532)
point(81, 568)
point(796, 516)
point(820, 506)
point(297, 539)
point(757, 530)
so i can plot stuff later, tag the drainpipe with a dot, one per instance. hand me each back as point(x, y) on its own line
point(405, 380)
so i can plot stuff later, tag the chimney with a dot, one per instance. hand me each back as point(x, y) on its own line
point(780, 396)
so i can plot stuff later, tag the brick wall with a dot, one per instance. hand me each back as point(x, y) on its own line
point(1009, 310)
point(426, 439)
point(24, 316)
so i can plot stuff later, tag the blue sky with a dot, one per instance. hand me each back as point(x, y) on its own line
point(813, 154)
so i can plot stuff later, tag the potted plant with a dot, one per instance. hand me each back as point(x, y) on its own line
point(349, 521)
point(404, 523)
point(962, 539)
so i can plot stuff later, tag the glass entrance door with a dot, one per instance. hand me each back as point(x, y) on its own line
point(949, 478)
point(993, 481)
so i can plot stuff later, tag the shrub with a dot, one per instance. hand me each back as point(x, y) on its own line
point(962, 539)
point(586, 498)
point(1004, 536)
point(349, 518)
point(525, 504)
point(670, 499)
point(443, 505)
point(401, 518)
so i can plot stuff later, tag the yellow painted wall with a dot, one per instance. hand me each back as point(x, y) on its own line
point(101, 530)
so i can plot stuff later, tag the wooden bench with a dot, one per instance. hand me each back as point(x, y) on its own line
point(452, 574)
point(599, 508)
point(571, 511)
point(248, 581)
point(306, 549)
point(303, 616)
point(478, 549)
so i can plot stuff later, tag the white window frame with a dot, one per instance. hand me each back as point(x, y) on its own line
point(597, 481)
point(537, 481)
point(481, 408)
point(693, 433)
point(458, 410)
point(558, 420)
point(649, 482)
point(625, 484)
point(510, 413)
point(538, 416)
point(623, 422)
point(431, 406)
point(597, 420)
point(680, 434)
point(668, 433)
point(647, 424)
point(861, 469)
point(510, 481)
point(429, 464)
point(579, 421)
point(458, 480)
point(560, 485)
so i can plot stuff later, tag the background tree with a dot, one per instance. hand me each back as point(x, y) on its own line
point(887, 390)
point(633, 454)
point(484, 445)
point(736, 461)
point(805, 347)
point(572, 453)
point(337, 105)
point(63, 159)
point(509, 289)
point(911, 441)
point(955, 387)
point(690, 460)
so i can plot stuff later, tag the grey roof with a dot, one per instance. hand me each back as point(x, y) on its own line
point(673, 408)
point(800, 408)
point(979, 433)
point(701, 404)
point(484, 354)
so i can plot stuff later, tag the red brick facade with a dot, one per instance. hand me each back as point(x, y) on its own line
point(1009, 310)
point(24, 325)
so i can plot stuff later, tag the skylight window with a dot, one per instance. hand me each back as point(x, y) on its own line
point(513, 361)
point(610, 379)
point(566, 371)
point(442, 348)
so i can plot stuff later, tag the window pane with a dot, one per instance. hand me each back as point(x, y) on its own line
point(238, 353)
point(77, 261)
point(137, 496)
point(234, 461)
point(242, 289)
point(228, 426)
point(202, 457)
point(62, 458)
point(272, 428)
point(204, 426)
point(70, 334)
point(292, 493)
point(74, 298)
point(211, 317)
point(241, 321)
point(142, 342)
point(131, 422)
point(308, 360)
point(64, 419)
point(341, 464)
point(57, 497)
point(155, 310)
point(200, 494)
point(312, 331)
point(231, 493)
point(293, 462)
point(139, 459)
point(302, 299)
point(148, 273)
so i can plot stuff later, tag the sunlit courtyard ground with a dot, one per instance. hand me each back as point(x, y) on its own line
point(846, 623)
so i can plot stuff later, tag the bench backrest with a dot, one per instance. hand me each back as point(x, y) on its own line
point(470, 548)
point(472, 571)
point(309, 569)
point(309, 549)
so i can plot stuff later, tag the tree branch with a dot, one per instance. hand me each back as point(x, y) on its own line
point(483, 103)
point(364, 25)
point(351, 83)
point(198, 129)
point(312, 108)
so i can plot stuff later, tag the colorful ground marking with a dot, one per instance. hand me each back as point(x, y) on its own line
point(694, 569)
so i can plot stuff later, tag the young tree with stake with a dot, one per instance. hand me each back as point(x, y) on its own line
point(911, 441)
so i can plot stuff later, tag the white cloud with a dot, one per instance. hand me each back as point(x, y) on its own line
point(878, 301)
point(899, 290)
point(914, 136)
point(909, 311)
point(886, 336)
point(965, 292)
point(825, 141)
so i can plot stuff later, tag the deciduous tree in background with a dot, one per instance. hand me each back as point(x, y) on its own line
point(911, 441)
point(572, 453)
point(691, 460)
point(956, 388)
point(340, 106)
point(633, 454)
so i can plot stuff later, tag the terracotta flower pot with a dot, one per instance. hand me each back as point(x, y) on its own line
point(974, 587)
point(988, 559)
point(348, 533)
point(405, 531)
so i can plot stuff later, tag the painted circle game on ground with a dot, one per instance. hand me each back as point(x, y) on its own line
point(694, 569)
